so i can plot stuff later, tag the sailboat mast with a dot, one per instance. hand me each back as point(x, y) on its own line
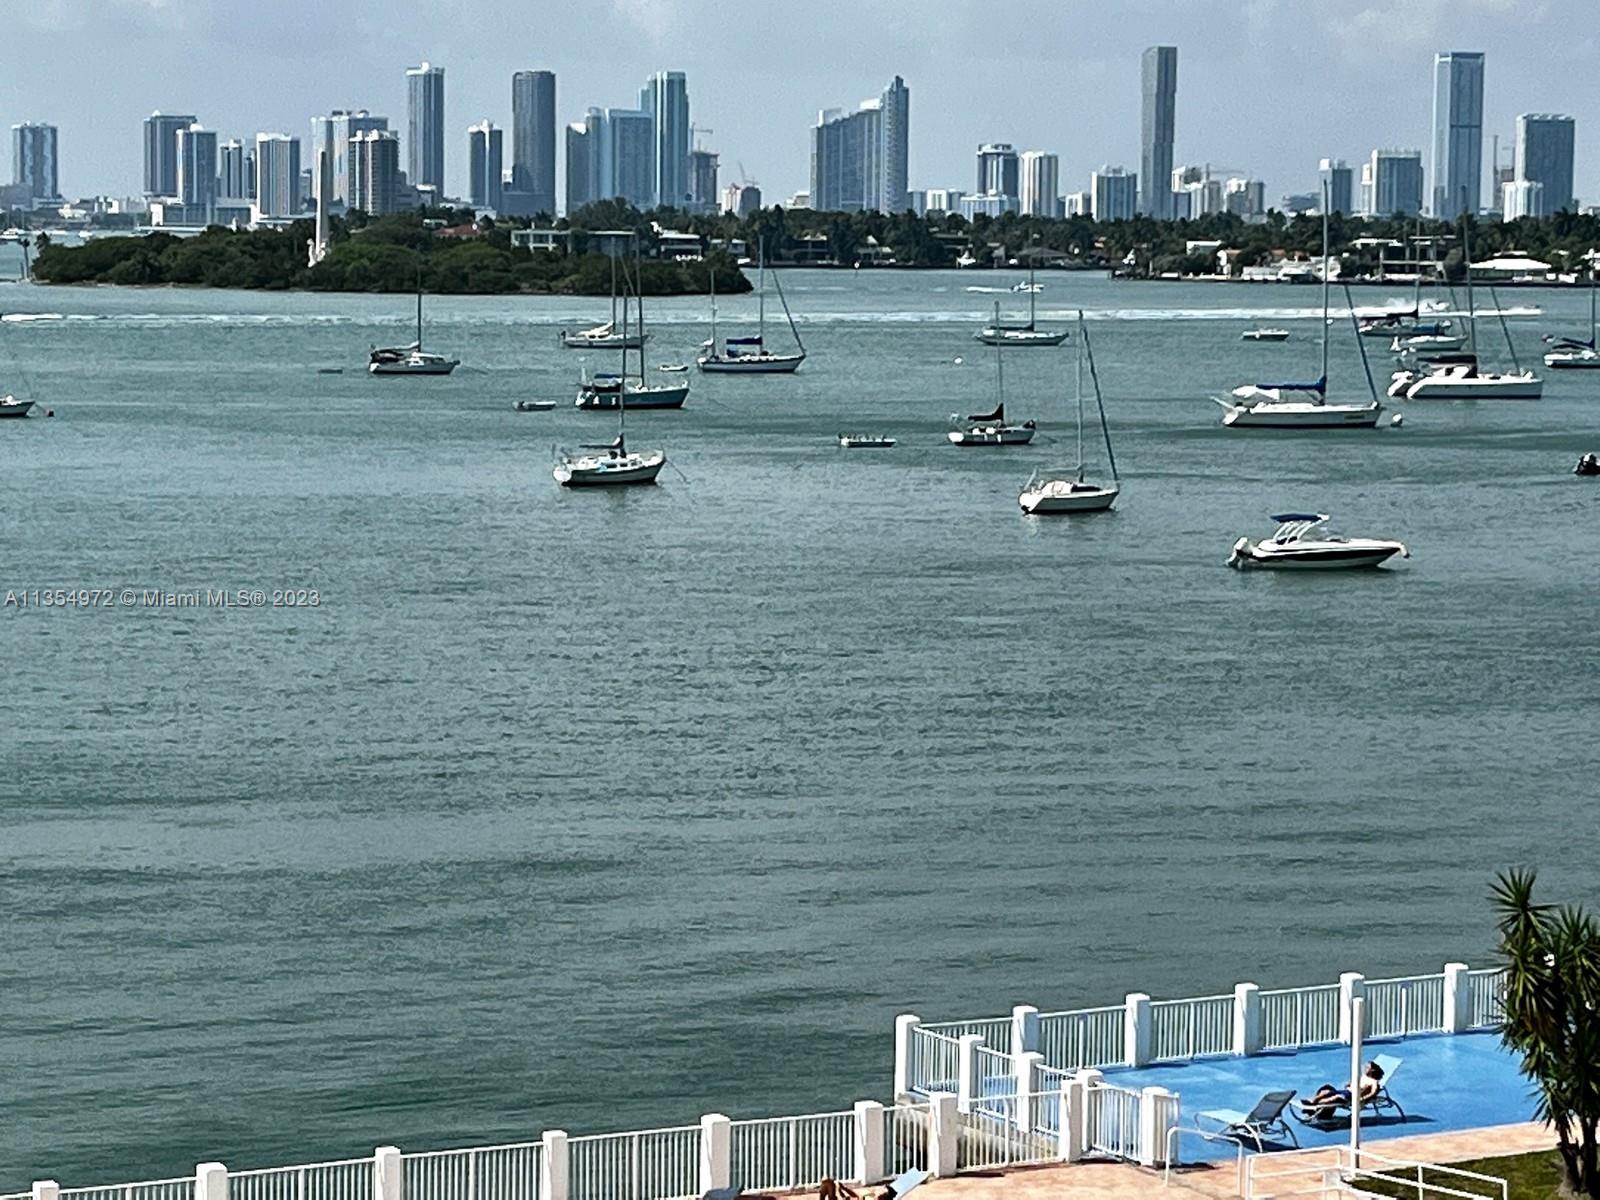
point(714, 345)
point(1466, 258)
point(1099, 401)
point(1324, 375)
point(761, 301)
point(1031, 316)
point(1078, 392)
point(999, 365)
point(622, 379)
point(419, 306)
point(638, 292)
point(613, 258)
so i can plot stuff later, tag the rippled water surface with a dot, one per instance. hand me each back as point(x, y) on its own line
point(603, 811)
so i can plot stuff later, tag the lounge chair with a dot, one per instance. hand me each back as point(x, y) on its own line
point(904, 1184)
point(1378, 1103)
point(1263, 1121)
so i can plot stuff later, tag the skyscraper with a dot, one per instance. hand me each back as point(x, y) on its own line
point(1457, 133)
point(1544, 156)
point(583, 161)
point(34, 165)
point(277, 175)
point(533, 138)
point(859, 160)
point(1338, 177)
point(197, 173)
point(425, 128)
point(333, 133)
point(1041, 183)
point(997, 170)
point(665, 96)
point(374, 166)
point(1394, 182)
point(703, 180)
point(1114, 194)
point(161, 151)
point(627, 157)
point(485, 156)
point(231, 171)
point(1157, 129)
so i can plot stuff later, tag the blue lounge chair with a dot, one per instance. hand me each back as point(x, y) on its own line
point(1262, 1122)
point(1377, 1104)
point(904, 1184)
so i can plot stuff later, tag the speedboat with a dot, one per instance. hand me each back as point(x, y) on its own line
point(604, 336)
point(1301, 543)
point(10, 406)
point(1465, 381)
point(1589, 464)
point(409, 360)
point(616, 466)
point(865, 441)
point(989, 429)
point(603, 391)
point(1264, 335)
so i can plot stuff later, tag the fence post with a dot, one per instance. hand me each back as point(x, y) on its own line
point(716, 1151)
point(1158, 1112)
point(387, 1177)
point(969, 1081)
point(1024, 1029)
point(1351, 985)
point(1457, 998)
point(944, 1135)
point(1246, 1019)
point(868, 1142)
point(554, 1170)
point(1069, 1137)
point(1087, 1080)
point(46, 1189)
point(210, 1181)
point(1027, 1075)
point(1136, 1029)
point(905, 1033)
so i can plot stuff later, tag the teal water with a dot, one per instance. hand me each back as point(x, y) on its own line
point(603, 811)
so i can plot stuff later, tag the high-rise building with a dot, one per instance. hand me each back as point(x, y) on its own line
point(1245, 197)
point(333, 133)
point(486, 157)
point(1078, 204)
point(34, 165)
point(277, 176)
point(1041, 184)
point(627, 157)
point(1457, 176)
point(1392, 183)
point(583, 161)
point(1157, 128)
point(533, 138)
point(997, 170)
point(741, 199)
point(702, 180)
point(1339, 180)
point(1114, 194)
point(197, 173)
point(374, 165)
point(425, 128)
point(231, 172)
point(1522, 198)
point(665, 96)
point(161, 151)
point(859, 160)
point(943, 200)
point(1544, 156)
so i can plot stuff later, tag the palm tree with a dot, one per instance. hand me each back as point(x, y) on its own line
point(1552, 1017)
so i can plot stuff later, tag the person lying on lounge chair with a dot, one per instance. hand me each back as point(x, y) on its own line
point(831, 1189)
point(1330, 1099)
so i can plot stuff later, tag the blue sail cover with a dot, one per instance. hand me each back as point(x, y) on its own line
point(746, 341)
point(1320, 387)
point(1285, 518)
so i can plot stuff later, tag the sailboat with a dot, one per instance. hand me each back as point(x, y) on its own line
point(412, 359)
point(606, 336)
point(605, 391)
point(1422, 338)
point(10, 406)
point(749, 355)
point(1461, 378)
point(1272, 406)
point(991, 429)
point(1568, 353)
point(1069, 492)
point(998, 334)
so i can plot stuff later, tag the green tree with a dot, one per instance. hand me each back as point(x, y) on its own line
point(1552, 1018)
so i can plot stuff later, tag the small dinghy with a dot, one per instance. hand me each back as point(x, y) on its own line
point(865, 441)
point(1264, 335)
point(1589, 464)
point(673, 368)
point(534, 405)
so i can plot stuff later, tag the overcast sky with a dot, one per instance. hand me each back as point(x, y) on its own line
point(1265, 86)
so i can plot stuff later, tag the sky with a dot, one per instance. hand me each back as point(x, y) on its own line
point(1265, 87)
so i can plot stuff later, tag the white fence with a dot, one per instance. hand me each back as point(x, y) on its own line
point(793, 1152)
point(1112, 1121)
point(1008, 1131)
point(1185, 1029)
point(935, 1062)
point(347, 1179)
point(1487, 1003)
point(652, 1164)
point(481, 1173)
point(906, 1138)
point(1412, 1004)
point(1296, 1017)
point(152, 1189)
point(1084, 1037)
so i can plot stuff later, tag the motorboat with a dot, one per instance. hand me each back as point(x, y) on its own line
point(1051, 492)
point(865, 441)
point(1589, 464)
point(412, 359)
point(1002, 333)
point(10, 406)
point(1427, 343)
point(614, 466)
point(990, 429)
point(1302, 543)
point(750, 355)
point(1264, 335)
point(673, 368)
point(603, 391)
point(1464, 381)
point(534, 405)
point(1568, 353)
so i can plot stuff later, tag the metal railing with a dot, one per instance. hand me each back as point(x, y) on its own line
point(1487, 991)
point(346, 1179)
point(996, 1072)
point(1307, 1173)
point(905, 1139)
point(1111, 1121)
point(935, 1062)
point(1409, 1004)
point(150, 1189)
point(793, 1152)
point(509, 1172)
point(1006, 1131)
point(652, 1164)
point(1305, 1016)
point(995, 1031)
point(1084, 1037)
point(1185, 1029)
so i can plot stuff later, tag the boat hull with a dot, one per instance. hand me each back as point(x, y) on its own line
point(1251, 556)
point(1051, 500)
point(766, 364)
point(651, 398)
point(1020, 337)
point(1573, 362)
point(576, 341)
point(1011, 435)
point(1302, 416)
point(401, 368)
point(1480, 387)
point(578, 475)
point(15, 408)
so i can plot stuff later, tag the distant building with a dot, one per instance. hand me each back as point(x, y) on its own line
point(161, 151)
point(1522, 198)
point(943, 200)
point(1544, 157)
point(333, 133)
point(374, 166)
point(1301, 202)
point(485, 158)
point(197, 173)
point(232, 173)
point(1339, 180)
point(34, 162)
point(1114, 194)
point(859, 160)
point(799, 200)
point(1392, 183)
point(1157, 128)
point(741, 199)
point(1457, 133)
point(702, 181)
point(665, 97)
point(1245, 198)
point(533, 138)
point(425, 127)
point(1041, 184)
point(583, 161)
point(988, 204)
point(1195, 194)
point(998, 173)
point(277, 176)
point(1078, 204)
point(627, 157)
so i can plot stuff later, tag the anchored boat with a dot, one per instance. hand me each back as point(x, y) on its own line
point(1047, 493)
point(1301, 543)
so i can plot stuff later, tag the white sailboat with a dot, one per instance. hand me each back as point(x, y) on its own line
point(412, 359)
point(749, 355)
point(992, 428)
point(606, 335)
point(998, 333)
point(606, 391)
point(1069, 492)
point(1567, 353)
point(1274, 406)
